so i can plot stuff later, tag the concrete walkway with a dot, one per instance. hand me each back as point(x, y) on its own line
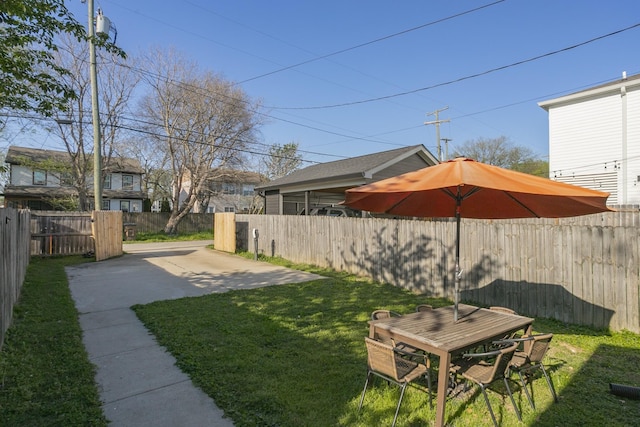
point(138, 381)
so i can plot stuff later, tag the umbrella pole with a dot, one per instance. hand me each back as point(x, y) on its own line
point(458, 272)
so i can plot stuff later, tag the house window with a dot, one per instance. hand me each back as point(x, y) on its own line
point(247, 189)
point(106, 181)
point(39, 177)
point(125, 205)
point(228, 188)
point(106, 205)
point(127, 182)
point(229, 209)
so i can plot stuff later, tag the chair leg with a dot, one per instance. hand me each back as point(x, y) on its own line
point(366, 383)
point(486, 399)
point(403, 388)
point(553, 391)
point(429, 381)
point(526, 390)
point(513, 401)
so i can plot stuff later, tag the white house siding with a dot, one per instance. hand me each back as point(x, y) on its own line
point(633, 147)
point(585, 137)
point(594, 141)
point(135, 205)
point(22, 175)
point(116, 181)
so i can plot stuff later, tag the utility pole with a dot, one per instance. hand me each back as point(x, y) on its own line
point(97, 150)
point(446, 147)
point(437, 122)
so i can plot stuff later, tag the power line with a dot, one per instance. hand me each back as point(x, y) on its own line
point(201, 92)
point(437, 21)
point(182, 139)
point(468, 77)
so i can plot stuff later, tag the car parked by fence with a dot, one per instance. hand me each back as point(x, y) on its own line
point(339, 211)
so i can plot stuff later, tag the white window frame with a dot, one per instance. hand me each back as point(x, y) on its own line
point(39, 181)
point(127, 186)
point(106, 181)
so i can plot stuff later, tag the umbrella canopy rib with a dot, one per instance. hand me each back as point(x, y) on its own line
point(533, 213)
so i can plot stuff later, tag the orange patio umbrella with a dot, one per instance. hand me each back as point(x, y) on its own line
point(465, 188)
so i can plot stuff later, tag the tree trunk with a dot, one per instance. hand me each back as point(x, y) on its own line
point(172, 225)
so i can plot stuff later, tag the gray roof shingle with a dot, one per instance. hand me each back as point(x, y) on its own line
point(354, 166)
point(16, 155)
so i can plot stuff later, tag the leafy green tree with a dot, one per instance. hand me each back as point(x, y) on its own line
point(165, 206)
point(283, 159)
point(505, 154)
point(534, 167)
point(29, 75)
point(4, 172)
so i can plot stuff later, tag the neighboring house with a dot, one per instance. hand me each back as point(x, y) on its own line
point(324, 184)
point(594, 139)
point(227, 191)
point(35, 181)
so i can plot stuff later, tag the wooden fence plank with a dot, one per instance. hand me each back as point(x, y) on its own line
point(14, 258)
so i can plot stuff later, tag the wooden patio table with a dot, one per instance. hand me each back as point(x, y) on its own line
point(435, 332)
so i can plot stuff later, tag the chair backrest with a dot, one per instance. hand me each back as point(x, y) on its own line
point(424, 307)
point(538, 347)
point(383, 314)
point(502, 361)
point(381, 358)
point(502, 309)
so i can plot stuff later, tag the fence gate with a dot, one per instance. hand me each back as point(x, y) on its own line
point(107, 233)
point(224, 232)
point(60, 233)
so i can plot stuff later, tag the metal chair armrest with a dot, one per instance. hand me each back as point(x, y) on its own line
point(482, 355)
point(404, 352)
point(514, 340)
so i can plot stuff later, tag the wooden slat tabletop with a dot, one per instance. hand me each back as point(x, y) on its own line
point(436, 328)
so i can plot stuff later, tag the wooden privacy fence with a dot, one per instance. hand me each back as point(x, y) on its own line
point(14, 259)
point(70, 233)
point(61, 233)
point(582, 270)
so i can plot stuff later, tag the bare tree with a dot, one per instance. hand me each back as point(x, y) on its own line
point(74, 126)
point(156, 180)
point(282, 160)
point(202, 122)
point(498, 152)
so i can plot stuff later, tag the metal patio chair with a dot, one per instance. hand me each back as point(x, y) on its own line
point(529, 359)
point(391, 364)
point(383, 314)
point(423, 307)
point(483, 369)
point(406, 349)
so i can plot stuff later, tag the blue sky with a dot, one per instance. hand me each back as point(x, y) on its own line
point(254, 42)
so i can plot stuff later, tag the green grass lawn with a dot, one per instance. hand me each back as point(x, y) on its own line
point(294, 355)
point(163, 237)
point(46, 377)
point(289, 355)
